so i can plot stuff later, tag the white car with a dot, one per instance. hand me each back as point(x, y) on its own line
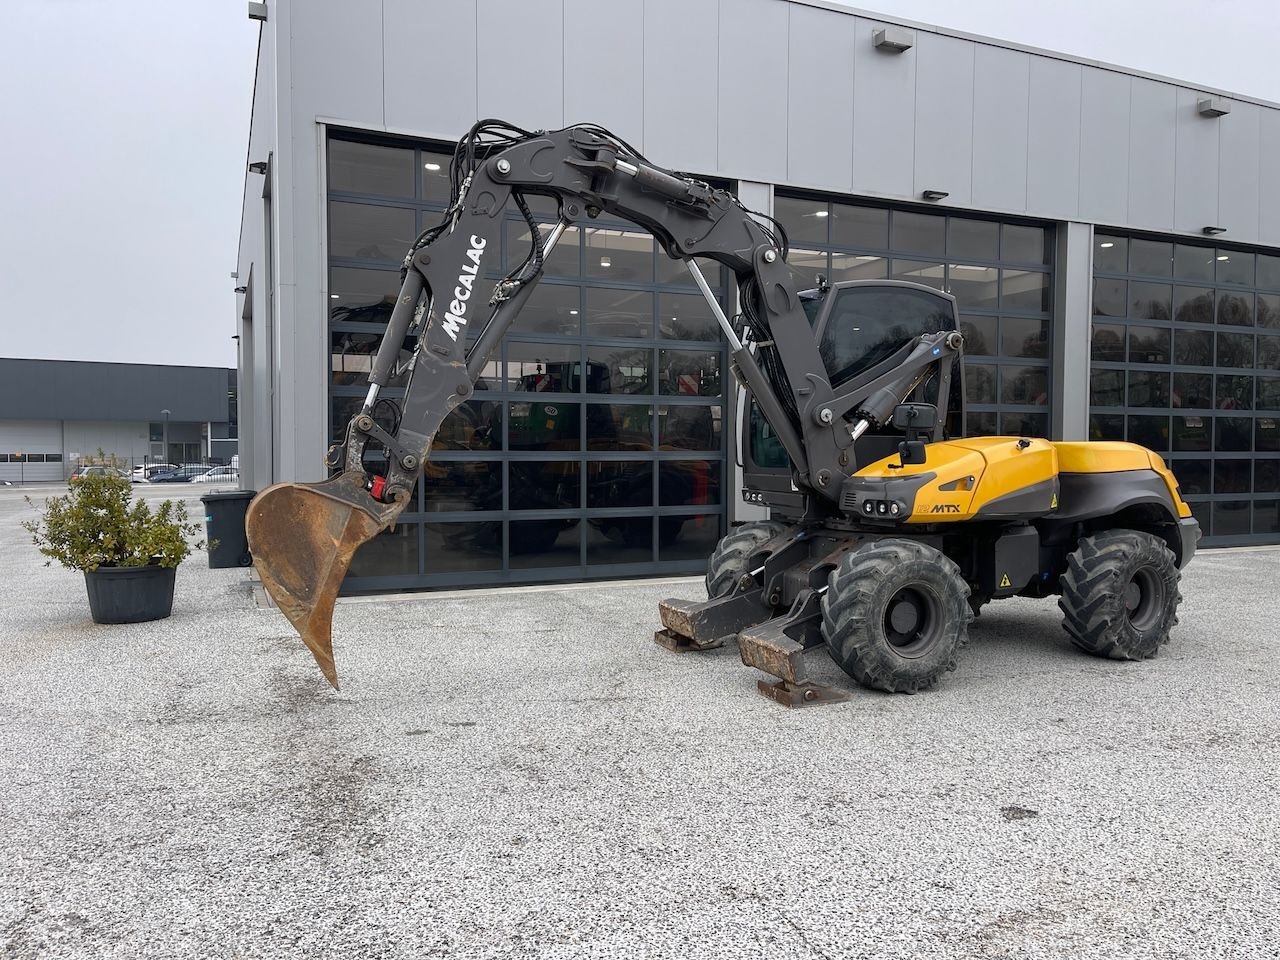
point(219, 475)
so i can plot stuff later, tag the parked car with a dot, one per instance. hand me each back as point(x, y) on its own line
point(219, 475)
point(184, 474)
point(143, 472)
point(96, 469)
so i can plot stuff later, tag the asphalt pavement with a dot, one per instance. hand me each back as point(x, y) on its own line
point(524, 773)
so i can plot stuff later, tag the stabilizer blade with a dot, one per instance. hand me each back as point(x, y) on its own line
point(302, 537)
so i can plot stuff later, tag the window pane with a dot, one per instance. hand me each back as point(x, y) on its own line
point(1106, 427)
point(1026, 244)
point(1235, 267)
point(619, 540)
point(1231, 476)
point(543, 367)
point(806, 221)
point(352, 357)
point(617, 426)
point(1266, 476)
point(552, 308)
point(688, 482)
point(469, 485)
point(674, 273)
point(980, 382)
point(1107, 342)
point(1192, 433)
point(1148, 389)
point(473, 425)
point(370, 168)
point(1268, 394)
point(1154, 258)
point(1149, 301)
point(619, 255)
point(435, 178)
point(619, 313)
point(1110, 254)
point(619, 483)
point(1024, 290)
point(536, 544)
point(689, 373)
point(1234, 434)
point(1268, 272)
point(1148, 345)
point(364, 296)
point(980, 424)
point(857, 266)
point(1235, 393)
point(391, 553)
point(1266, 434)
point(1193, 263)
point(977, 239)
point(979, 336)
point(686, 316)
point(689, 427)
point(1192, 475)
point(563, 261)
point(1192, 304)
point(1266, 516)
point(1016, 424)
point(460, 547)
point(618, 369)
point(1106, 388)
point(919, 233)
point(1235, 350)
point(1193, 347)
point(854, 226)
point(1020, 337)
point(1235, 309)
point(688, 538)
point(544, 485)
point(808, 265)
point(542, 425)
point(1192, 390)
point(370, 232)
point(1024, 385)
point(1109, 297)
point(1231, 519)
point(1150, 432)
point(919, 271)
point(974, 286)
point(1269, 310)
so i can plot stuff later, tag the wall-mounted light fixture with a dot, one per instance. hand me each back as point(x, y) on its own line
point(1212, 107)
point(241, 289)
point(258, 11)
point(1213, 231)
point(259, 167)
point(893, 39)
point(935, 194)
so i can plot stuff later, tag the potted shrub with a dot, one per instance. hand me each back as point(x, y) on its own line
point(129, 553)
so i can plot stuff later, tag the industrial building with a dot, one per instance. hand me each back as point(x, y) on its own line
point(1113, 239)
point(56, 413)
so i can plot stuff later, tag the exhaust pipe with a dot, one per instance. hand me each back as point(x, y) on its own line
point(302, 537)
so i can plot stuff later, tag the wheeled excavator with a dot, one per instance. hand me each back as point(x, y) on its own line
point(888, 529)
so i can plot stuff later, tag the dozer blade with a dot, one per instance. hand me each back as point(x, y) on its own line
point(302, 537)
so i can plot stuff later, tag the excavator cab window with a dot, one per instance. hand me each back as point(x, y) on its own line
point(865, 324)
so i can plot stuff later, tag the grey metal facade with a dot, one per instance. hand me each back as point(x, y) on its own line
point(1006, 132)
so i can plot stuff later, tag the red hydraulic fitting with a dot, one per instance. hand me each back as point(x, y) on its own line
point(377, 487)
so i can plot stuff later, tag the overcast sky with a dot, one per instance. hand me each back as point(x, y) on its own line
point(122, 147)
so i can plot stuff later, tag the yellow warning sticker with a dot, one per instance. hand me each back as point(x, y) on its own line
point(1053, 504)
point(1005, 582)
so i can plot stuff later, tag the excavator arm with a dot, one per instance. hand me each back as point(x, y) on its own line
point(304, 535)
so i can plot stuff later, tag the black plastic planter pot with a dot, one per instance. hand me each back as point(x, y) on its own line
point(130, 594)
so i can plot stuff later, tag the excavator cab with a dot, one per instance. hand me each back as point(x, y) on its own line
point(860, 326)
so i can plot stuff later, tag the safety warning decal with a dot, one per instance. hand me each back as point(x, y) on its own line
point(1053, 504)
point(1005, 582)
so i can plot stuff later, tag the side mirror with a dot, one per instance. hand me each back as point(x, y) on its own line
point(915, 417)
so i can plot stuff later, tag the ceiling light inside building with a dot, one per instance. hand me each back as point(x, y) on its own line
point(821, 213)
point(1224, 257)
point(333, 296)
point(606, 262)
point(433, 167)
point(573, 313)
point(1106, 246)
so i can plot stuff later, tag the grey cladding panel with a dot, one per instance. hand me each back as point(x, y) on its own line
point(64, 390)
point(1269, 188)
point(604, 82)
point(328, 32)
point(884, 93)
point(435, 93)
point(944, 117)
point(1239, 159)
point(1000, 128)
point(1104, 145)
point(1152, 146)
point(753, 101)
point(1196, 171)
point(1053, 144)
point(680, 83)
point(520, 76)
point(820, 94)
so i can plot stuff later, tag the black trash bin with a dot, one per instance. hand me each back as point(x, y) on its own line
point(224, 527)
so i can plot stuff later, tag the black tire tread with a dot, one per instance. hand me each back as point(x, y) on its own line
point(728, 561)
point(1092, 612)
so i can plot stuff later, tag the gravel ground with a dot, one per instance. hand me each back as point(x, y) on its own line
point(525, 774)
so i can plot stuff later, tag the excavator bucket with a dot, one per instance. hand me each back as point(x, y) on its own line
point(302, 537)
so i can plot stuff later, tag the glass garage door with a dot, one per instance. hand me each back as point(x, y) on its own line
point(1001, 274)
point(1186, 361)
point(595, 445)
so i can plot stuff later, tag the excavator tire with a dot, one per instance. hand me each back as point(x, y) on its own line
point(729, 559)
point(1120, 595)
point(895, 615)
